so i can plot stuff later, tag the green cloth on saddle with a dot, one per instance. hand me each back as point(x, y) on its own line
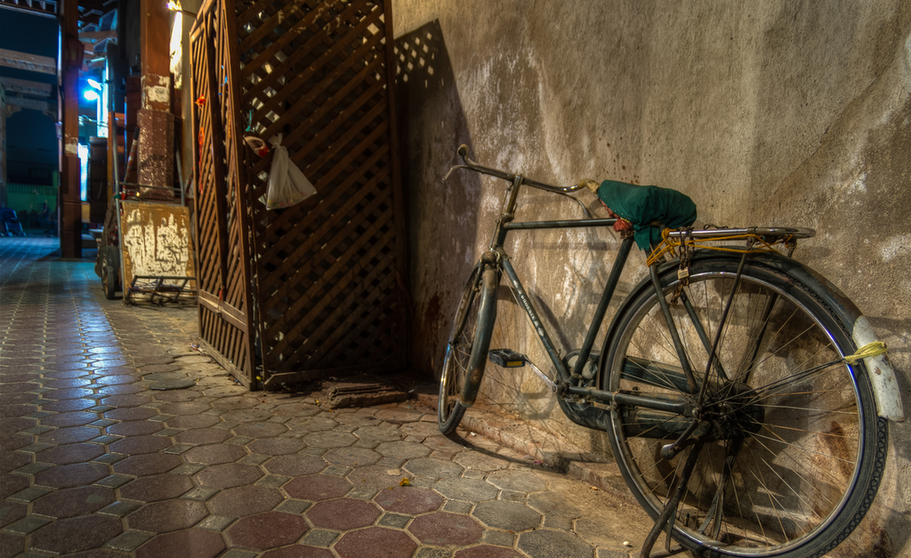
point(641, 205)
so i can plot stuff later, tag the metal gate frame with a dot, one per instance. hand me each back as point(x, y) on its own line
point(319, 288)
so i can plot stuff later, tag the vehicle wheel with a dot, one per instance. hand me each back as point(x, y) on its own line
point(467, 347)
point(108, 275)
point(795, 451)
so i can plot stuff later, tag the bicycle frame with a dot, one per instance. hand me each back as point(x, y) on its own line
point(585, 415)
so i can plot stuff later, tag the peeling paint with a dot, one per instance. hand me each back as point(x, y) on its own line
point(896, 246)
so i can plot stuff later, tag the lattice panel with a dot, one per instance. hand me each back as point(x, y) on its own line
point(224, 322)
point(327, 274)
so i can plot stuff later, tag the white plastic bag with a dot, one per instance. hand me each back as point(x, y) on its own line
point(287, 184)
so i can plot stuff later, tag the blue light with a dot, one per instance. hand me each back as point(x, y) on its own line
point(90, 95)
point(94, 84)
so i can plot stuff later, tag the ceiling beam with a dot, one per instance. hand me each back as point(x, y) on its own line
point(13, 85)
point(30, 62)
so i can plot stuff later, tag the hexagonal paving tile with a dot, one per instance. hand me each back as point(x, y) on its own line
point(509, 516)
point(131, 413)
point(169, 515)
point(147, 464)
point(376, 476)
point(433, 468)
point(330, 439)
point(201, 436)
point(140, 444)
point(379, 433)
point(299, 551)
point(295, 465)
point(555, 504)
point(214, 454)
point(420, 429)
point(75, 418)
point(245, 500)
point(75, 534)
point(193, 421)
point(442, 529)
point(73, 502)
point(70, 435)
point(409, 499)
point(66, 476)
point(184, 408)
point(260, 429)
point(547, 542)
point(246, 415)
point(317, 487)
point(198, 543)
point(351, 457)
point(276, 446)
point(134, 428)
point(469, 490)
point(343, 514)
point(487, 551)
point(402, 450)
point(517, 480)
point(157, 487)
point(229, 475)
point(267, 530)
point(375, 542)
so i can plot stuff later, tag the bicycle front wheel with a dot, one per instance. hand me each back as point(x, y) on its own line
point(791, 449)
point(467, 347)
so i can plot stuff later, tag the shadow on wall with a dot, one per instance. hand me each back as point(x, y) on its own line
point(441, 215)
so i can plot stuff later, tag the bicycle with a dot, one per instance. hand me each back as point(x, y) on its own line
point(739, 402)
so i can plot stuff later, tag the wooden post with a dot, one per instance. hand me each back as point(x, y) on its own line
point(156, 123)
point(70, 206)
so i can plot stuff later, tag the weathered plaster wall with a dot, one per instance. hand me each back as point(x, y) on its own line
point(776, 112)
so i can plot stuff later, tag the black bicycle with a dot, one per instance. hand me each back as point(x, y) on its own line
point(745, 397)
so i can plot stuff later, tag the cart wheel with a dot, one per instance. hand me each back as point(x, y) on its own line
point(108, 276)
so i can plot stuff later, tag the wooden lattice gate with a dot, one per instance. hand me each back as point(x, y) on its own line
point(318, 288)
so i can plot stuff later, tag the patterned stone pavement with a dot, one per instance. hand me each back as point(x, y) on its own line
point(96, 461)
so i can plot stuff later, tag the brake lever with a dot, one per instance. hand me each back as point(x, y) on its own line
point(454, 168)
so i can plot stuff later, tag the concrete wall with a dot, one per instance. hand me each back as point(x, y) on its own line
point(776, 112)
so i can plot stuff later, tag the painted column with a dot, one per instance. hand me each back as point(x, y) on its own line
point(156, 123)
point(70, 207)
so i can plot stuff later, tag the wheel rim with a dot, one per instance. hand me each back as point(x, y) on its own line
point(458, 350)
point(797, 456)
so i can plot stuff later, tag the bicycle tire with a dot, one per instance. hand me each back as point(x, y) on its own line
point(801, 450)
point(467, 342)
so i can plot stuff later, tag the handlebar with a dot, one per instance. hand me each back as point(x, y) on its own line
point(473, 165)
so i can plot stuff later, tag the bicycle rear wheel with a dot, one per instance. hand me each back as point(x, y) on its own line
point(795, 450)
point(467, 347)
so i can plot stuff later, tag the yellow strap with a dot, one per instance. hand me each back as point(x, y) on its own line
point(873, 349)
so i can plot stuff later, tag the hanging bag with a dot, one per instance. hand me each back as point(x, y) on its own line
point(287, 184)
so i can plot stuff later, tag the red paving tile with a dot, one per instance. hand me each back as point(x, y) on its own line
point(214, 454)
point(229, 475)
point(295, 465)
point(148, 464)
point(375, 542)
point(70, 453)
point(11, 545)
point(134, 428)
point(245, 500)
point(75, 534)
point(410, 500)
point(487, 551)
point(267, 530)
point(73, 502)
point(195, 543)
point(169, 515)
point(343, 514)
point(443, 528)
point(299, 551)
point(131, 413)
point(157, 487)
point(317, 487)
point(200, 436)
point(76, 474)
point(140, 444)
point(77, 418)
point(11, 512)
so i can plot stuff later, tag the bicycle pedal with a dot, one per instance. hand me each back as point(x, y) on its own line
point(507, 358)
